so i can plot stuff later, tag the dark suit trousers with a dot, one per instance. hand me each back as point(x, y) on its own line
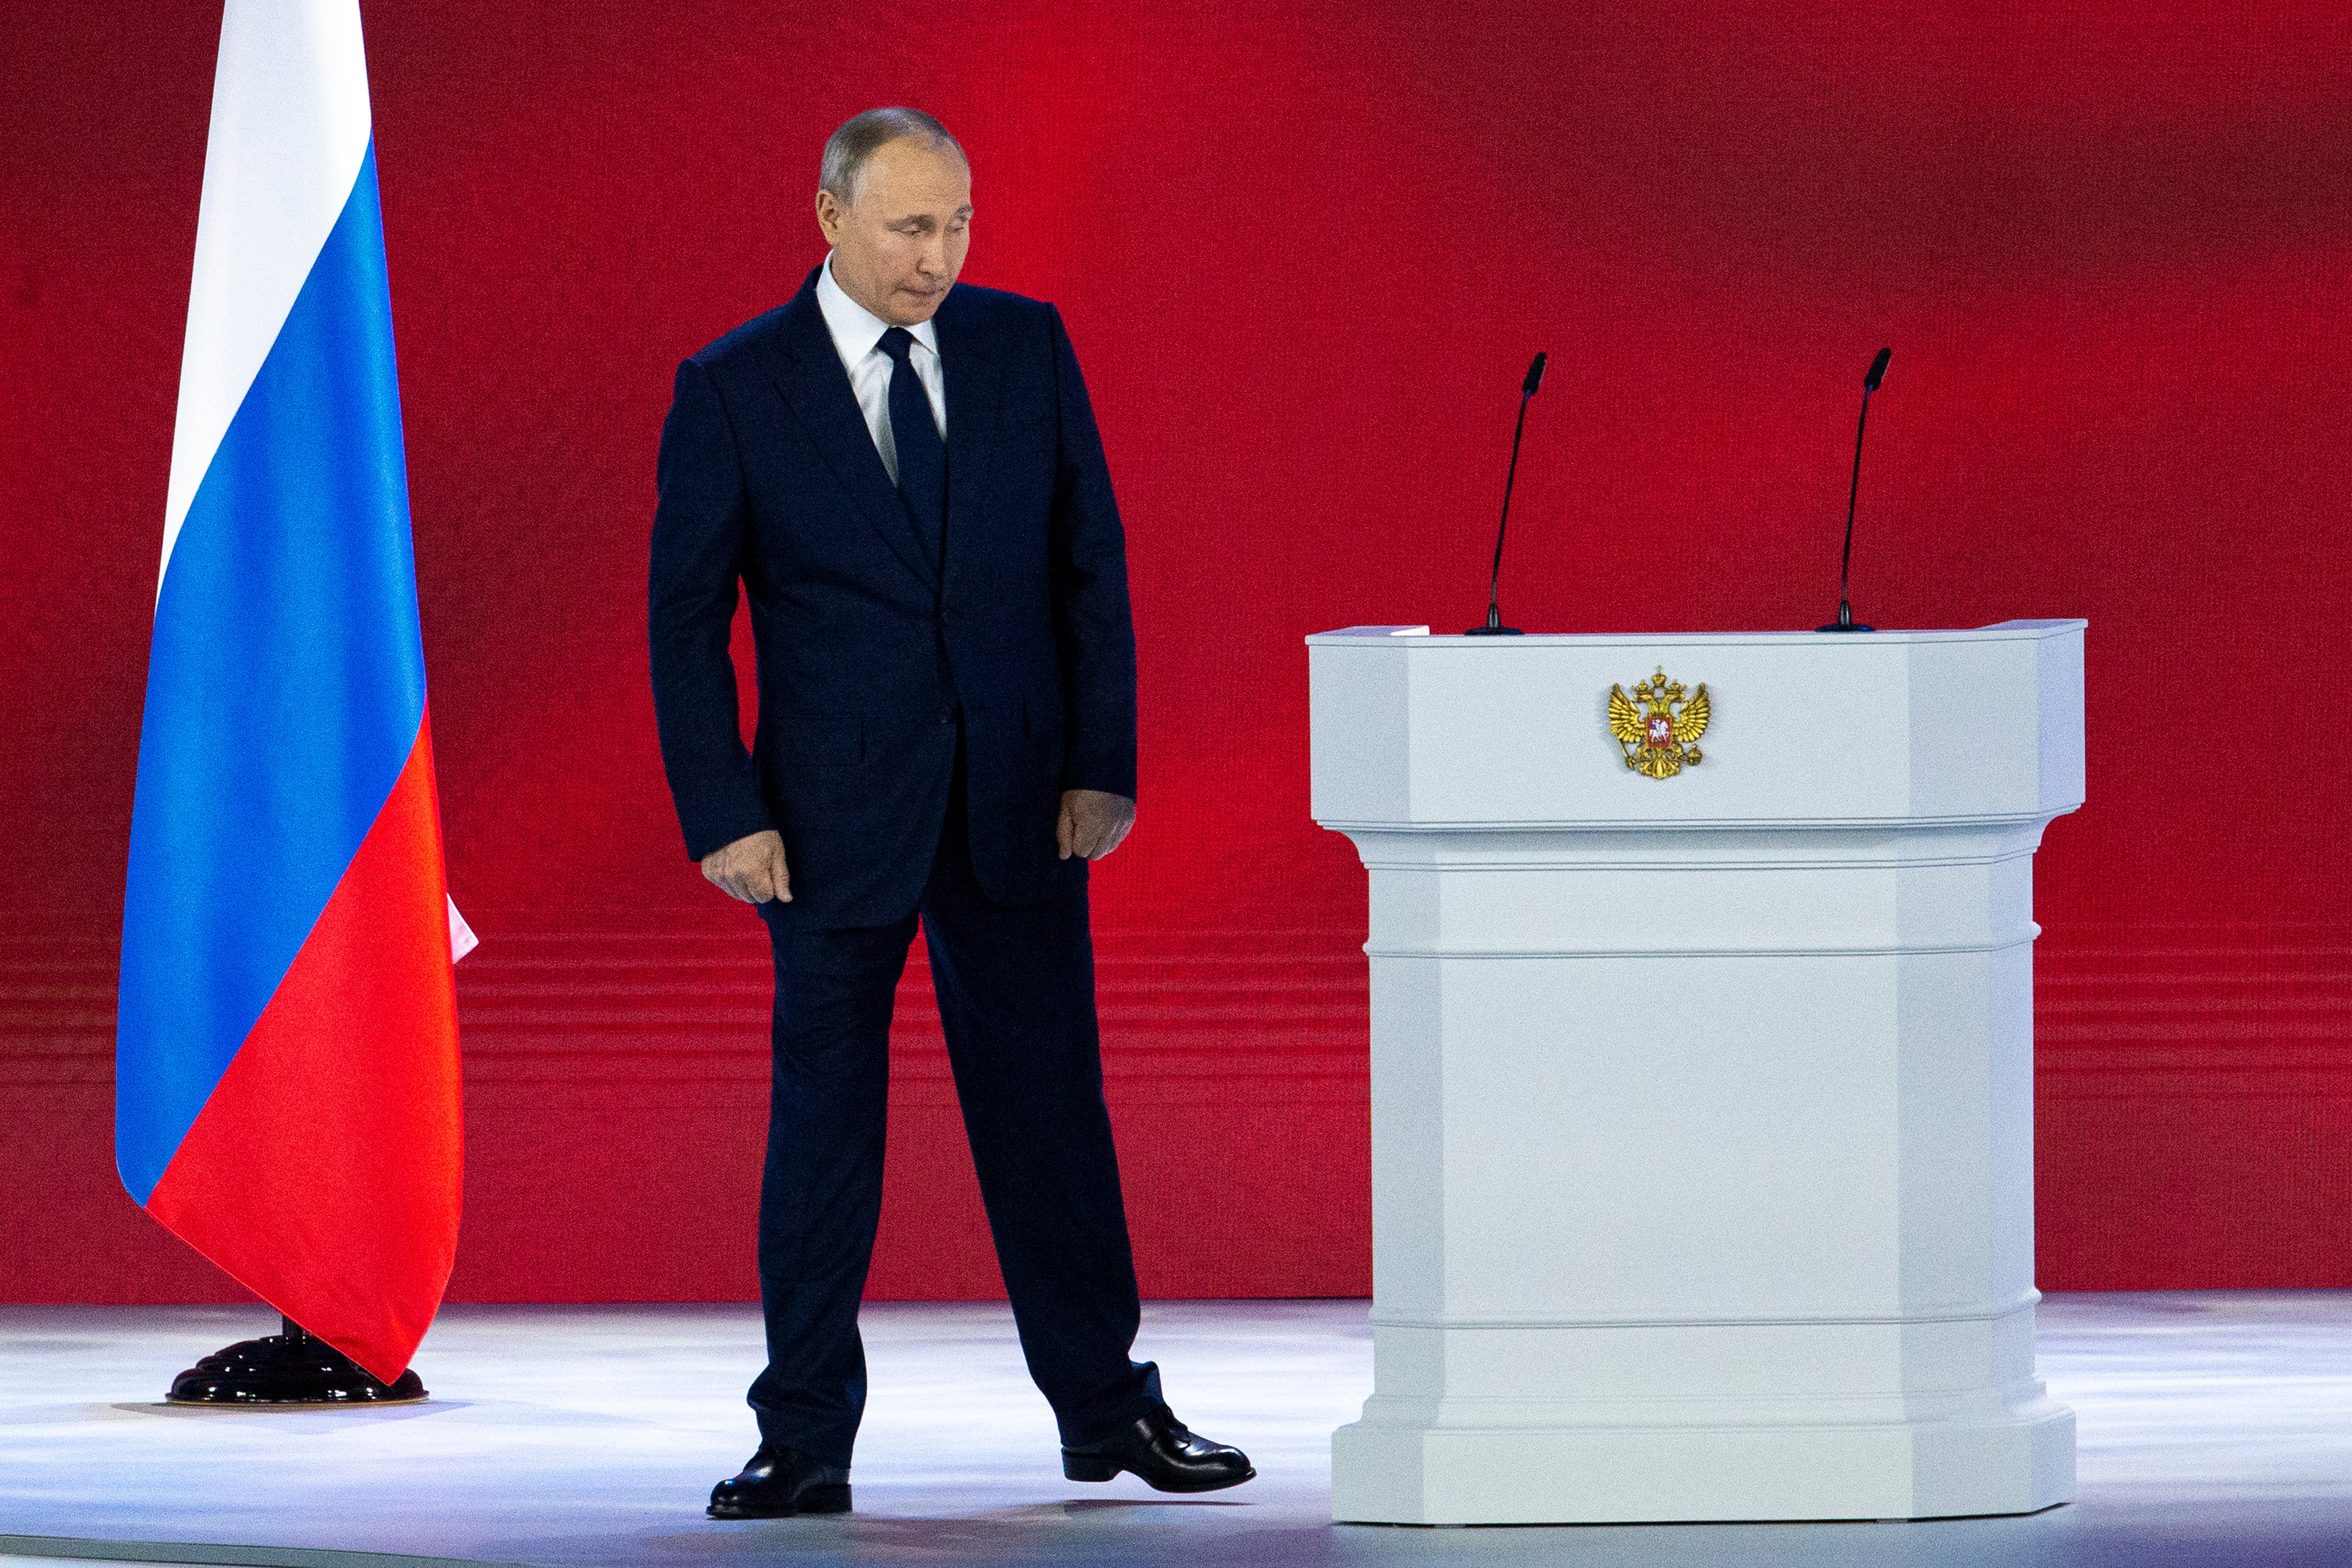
point(1015, 987)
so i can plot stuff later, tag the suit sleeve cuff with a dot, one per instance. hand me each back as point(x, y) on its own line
point(710, 835)
point(1113, 774)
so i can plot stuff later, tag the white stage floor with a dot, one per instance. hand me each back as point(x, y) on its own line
point(2216, 1430)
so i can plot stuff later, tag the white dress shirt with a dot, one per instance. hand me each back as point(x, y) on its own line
point(857, 339)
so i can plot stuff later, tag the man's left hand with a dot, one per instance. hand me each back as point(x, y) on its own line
point(1092, 822)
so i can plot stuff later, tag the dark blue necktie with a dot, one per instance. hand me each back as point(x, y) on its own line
point(922, 460)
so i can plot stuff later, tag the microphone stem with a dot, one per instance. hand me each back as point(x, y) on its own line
point(1845, 557)
point(1495, 578)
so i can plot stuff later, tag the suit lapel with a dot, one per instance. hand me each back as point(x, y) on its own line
point(810, 376)
point(974, 363)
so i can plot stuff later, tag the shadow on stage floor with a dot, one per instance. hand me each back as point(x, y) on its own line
point(2215, 1429)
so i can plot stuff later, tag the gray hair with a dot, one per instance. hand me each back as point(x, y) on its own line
point(848, 149)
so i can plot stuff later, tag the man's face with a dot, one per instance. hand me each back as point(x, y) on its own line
point(898, 248)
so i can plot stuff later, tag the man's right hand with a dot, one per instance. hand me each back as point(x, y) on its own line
point(751, 869)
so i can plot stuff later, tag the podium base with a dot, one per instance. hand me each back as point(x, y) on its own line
point(289, 1368)
point(2022, 1463)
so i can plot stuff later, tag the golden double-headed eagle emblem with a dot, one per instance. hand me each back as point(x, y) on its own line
point(1658, 726)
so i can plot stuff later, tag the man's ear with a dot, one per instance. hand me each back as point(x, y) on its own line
point(828, 214)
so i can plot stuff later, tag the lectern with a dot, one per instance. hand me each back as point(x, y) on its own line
point(1702, 1069)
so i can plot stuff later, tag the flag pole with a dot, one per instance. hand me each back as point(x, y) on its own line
point(289, 1367)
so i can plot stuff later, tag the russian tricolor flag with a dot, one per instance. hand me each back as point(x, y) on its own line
point(287, 1095)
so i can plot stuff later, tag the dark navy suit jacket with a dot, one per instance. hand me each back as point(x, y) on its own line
point(870, 658)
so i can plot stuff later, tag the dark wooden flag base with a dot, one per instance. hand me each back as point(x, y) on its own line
point(289, 1368)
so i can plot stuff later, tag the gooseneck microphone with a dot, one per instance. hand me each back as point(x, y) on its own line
point(1844, 622)
point(1495, 627)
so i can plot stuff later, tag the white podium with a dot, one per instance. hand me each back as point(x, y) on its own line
point(1702, 1100)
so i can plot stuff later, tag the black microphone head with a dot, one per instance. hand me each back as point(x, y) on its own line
point(1877, 370)
point(1535, 376)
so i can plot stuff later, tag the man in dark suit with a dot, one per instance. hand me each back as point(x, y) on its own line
point(906, 478)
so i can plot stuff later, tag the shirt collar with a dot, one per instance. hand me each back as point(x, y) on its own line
point(855, 329)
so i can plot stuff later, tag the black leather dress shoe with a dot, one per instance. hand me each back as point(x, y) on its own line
point(777, 1483)
point(1163, 1453)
